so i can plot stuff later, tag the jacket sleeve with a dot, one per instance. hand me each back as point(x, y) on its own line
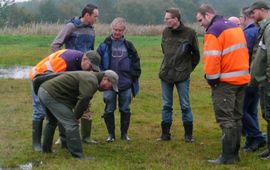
point(267, 46)
point(83, 99)
point(61, 37)
point(195, 52)
point(136, 64)
point(212, 59)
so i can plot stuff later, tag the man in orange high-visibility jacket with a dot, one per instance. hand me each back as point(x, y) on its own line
point(60, 61)
point(226, 67)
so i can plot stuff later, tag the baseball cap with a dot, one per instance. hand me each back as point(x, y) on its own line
point(94, 58)
point(113, 77)
point(259, 5)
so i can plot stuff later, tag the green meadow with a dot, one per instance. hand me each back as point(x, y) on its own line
point(143, 152)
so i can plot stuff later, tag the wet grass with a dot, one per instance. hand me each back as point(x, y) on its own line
point(143, 152)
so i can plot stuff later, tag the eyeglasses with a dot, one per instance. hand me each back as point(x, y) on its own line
point(166, 19)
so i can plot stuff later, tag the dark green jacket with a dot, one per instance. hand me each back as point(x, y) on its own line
point(74, 89)
point(181, 54)
point(260, 66)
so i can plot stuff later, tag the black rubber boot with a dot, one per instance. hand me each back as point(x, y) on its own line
point(125, 121)
point(265, 155)
point(48, 137)
point(239, 130)
point(74, 143)
point(188, 126)
point(36, 135)
point(110, 124)
point(86, 127)
point(165, 127)
point(228, 147)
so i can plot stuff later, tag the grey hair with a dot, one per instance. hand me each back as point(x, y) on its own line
point(119, 20)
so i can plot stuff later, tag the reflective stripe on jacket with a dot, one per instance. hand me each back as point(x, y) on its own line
point(225, 53)
point(60, 61)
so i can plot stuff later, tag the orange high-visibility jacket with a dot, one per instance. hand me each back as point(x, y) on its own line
point(225, 53)
point(60, 61)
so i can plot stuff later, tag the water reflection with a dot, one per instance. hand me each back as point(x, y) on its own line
point(16, 72)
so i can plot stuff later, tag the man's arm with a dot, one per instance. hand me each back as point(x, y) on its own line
point(62, 36)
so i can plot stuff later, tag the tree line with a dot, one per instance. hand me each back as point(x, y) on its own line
point(143, 12)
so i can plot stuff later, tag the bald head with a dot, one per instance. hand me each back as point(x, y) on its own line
point(235, 20)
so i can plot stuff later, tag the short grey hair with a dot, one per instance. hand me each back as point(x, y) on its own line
point(119, 20)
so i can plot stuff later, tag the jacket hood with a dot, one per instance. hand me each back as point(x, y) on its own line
point(78, 23)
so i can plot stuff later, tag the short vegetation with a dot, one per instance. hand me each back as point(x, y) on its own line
point(143, 152)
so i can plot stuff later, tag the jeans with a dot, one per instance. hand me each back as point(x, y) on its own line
point(250, 115)
point(124, 100)
point(183, 95)
point(38, 112)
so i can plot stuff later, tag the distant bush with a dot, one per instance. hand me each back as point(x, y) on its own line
point(101, 29)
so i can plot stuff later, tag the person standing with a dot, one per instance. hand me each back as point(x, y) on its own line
point(260, 72)
point(254, 137)
point(65, 98)
point(79, 34)
point(60, 61)
point(120, 55)
point(226, 68)
point(181, 56)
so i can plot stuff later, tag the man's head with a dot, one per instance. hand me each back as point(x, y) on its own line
point(245, 18)
point(90, 61)
point(259, 10)
point(172, 18)
point(109, 81)
point(90, 14)
point(205, 14)
point(118, 26)
point(234, 20)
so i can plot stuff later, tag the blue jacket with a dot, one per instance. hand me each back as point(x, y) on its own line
point(251, 33)
point(104, 50)
point(82, 37)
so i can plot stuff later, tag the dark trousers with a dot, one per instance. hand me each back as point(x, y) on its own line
point(58, 112)
point(228, 104)
point(250, 115)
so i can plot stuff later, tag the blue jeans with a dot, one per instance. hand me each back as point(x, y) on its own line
point(250, 115)
point(183, 95)
point(38, 112)
point(124, 100)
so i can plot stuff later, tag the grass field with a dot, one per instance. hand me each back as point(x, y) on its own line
point(143, 152)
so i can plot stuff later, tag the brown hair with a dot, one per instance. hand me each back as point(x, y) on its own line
point(205, 8)
point(175, 12)
point(89, 8)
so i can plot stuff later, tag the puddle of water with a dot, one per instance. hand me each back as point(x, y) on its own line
point(18, 72)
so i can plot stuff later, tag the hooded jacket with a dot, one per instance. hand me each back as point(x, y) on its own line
point(75, 35)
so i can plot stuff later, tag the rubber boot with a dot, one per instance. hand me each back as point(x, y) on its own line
point(228, 147)
point(86, 127)
point(265, 155)
point(110, 124)
point(36, 135)
point(74, 143)
point(239, 131)
point(125, 121)
point(188, 126)
point(62, 136)
point(48, 137)
point(165, 127)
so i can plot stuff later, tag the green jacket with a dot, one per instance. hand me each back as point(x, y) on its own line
point(260, 66)
point(74, 89)
point(181, 54)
